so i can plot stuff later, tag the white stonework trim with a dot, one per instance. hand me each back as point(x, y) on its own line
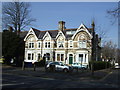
point(47, 48)
point(30, 61)
point(60, 51)
point(30, 32)
point(59, 34)
point(70, 43)
point(85, 29)
point(47, 33)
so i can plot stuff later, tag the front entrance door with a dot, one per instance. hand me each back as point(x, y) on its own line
point(70, 58)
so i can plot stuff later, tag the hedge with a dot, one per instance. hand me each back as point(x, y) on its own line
point(98, 65)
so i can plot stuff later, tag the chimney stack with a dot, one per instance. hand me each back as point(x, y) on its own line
point(61, 25)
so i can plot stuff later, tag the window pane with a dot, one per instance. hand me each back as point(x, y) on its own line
point(29, 45)
point(84, 44)
point(29, 56)
point(46, 44)
point(38, 45)
point(32, 45)
point(62, 57)
point(70, 43)
point(49, 44)
point(80, 57)
point(58, 57)
point(32, 56)
point(85, 57)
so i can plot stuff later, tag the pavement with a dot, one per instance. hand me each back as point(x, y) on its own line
point(15, 77)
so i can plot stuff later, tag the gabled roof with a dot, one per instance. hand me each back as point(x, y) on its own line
point(41, 34)
point(37, 32)
point(54, 33)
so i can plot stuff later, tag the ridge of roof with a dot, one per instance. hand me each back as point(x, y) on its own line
point(35, 29)
point(53, 33)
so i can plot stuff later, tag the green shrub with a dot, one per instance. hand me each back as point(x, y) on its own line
point(41, 63)
point(98, 65)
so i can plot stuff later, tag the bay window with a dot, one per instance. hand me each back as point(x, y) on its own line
point(60, 57)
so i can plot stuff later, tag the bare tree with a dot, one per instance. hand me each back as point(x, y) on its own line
point(102, 33)
point(109, 51)
point(114, 13)
point(16, 14)
point(115, 16)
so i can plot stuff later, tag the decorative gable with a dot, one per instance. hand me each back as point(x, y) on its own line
point(83, 29)
point(30, 32)
point(47, 37)
point(60, 34)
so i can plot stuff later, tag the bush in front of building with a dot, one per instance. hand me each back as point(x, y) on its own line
point(41, 63)
point(98, 65)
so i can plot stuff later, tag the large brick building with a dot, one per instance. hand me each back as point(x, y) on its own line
point(64, 45)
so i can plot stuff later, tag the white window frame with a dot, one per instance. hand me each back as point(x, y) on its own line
point(70, 44)
point(39, 43)
point(30, 44)
point(31, 56)
point(83, 42)
point(60, 57)
point(47, 44)
point(59, 43)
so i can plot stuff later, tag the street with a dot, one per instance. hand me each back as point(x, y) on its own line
point(16, 78)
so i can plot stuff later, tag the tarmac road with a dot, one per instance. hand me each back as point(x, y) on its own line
point(20, 80)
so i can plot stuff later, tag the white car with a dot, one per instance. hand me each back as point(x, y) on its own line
point(79, 66)
point(117, 66)
point(58, 66)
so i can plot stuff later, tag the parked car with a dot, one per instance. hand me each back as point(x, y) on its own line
point(58, 66)
point(79, 66)
point(117, 66)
